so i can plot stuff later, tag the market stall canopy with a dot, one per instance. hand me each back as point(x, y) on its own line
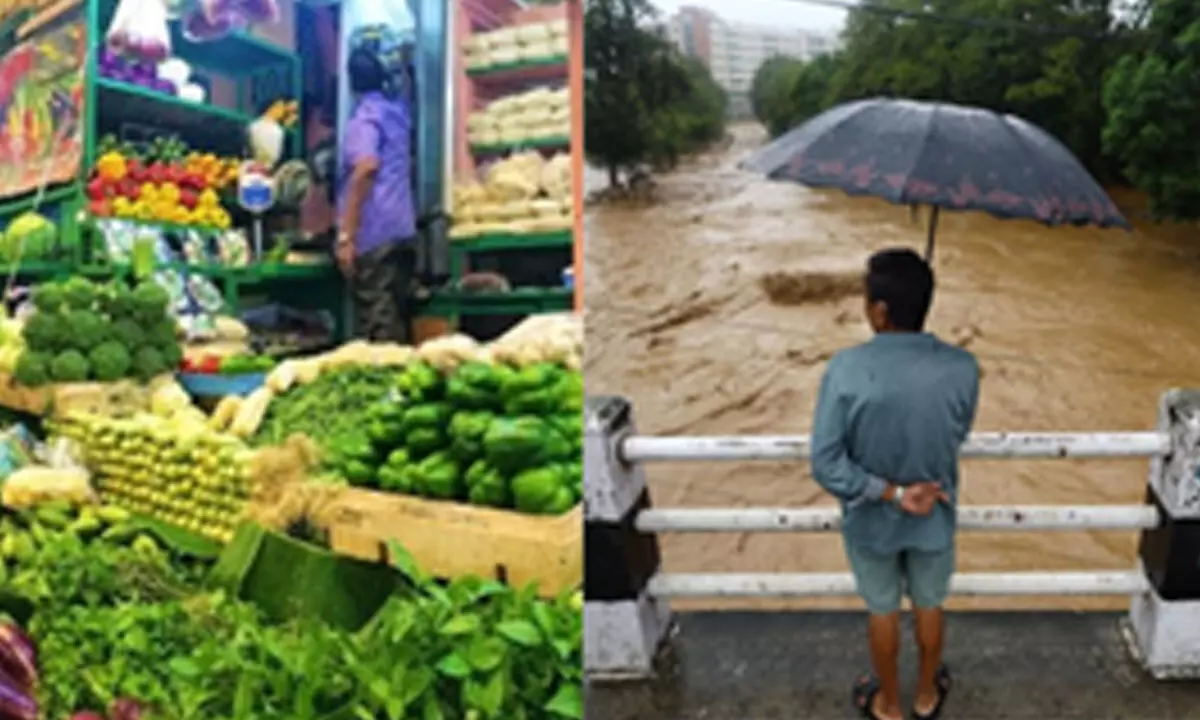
point(943, 155)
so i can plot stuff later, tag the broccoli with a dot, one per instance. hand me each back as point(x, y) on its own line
point(150, 301)
point(32, 369)
point(147, 363)
point(69, 366)
point(172, 354)
point(48, 297)
point(162, 333)
point(110, 361)
point(45, 333)
point(116, 299)
point(128, 333)
point(85, 329)
point(80, 293)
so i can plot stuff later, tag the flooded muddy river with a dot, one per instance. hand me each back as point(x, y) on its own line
point(716, 308)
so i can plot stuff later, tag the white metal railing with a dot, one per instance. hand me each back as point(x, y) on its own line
point(642, 449)
point(638, 448)
point(794, 585)
point(824, 519)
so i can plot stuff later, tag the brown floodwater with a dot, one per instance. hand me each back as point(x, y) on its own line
point(715, 308)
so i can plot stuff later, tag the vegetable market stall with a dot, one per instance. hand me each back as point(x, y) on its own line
point(513, 208)
point(149, 534)
point(123, 128)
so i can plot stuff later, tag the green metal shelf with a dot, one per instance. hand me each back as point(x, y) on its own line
point(547, 143)
point(550, 67)
point(236, 55)
point(514, 241)
point(521, 301)
point(139, 103)
point(245, 274)
point(40, 269)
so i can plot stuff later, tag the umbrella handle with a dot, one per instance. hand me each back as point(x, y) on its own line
point(933, 221)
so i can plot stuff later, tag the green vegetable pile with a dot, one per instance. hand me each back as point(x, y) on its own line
point(113, 619)
point(485, 434)
point(84, 331)
point(329, 407)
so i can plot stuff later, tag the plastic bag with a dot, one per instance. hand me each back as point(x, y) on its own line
point(139, 29)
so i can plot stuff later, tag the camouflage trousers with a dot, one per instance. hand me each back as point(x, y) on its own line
point(382, 293)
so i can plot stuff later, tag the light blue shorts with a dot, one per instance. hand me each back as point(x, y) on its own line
point(881, 580)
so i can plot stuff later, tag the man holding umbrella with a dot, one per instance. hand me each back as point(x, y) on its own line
point(890, 418)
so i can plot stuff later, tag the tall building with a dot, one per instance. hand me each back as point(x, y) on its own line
point(733, 51)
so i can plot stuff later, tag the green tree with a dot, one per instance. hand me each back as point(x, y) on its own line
point(1153, 100)
point(644, 102)
point(1038, 59)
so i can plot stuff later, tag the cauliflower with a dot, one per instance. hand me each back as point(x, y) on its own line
point(69, 366)
point(110, 361)
point(79, 293)
point(33, 369)
point(86, 329)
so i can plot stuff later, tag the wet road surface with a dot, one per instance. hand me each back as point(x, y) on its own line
point(799, 666)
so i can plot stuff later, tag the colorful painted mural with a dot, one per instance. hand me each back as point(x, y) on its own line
point(41, 109)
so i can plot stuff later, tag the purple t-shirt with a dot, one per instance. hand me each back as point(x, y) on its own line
point(380, 128)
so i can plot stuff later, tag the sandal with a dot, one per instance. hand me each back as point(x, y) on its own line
point(863, 695)
point(944, 683)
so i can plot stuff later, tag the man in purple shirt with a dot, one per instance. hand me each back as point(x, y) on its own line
point(377, 228)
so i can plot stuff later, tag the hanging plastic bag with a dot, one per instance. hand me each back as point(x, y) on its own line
point(139, 29)
point(197, 27)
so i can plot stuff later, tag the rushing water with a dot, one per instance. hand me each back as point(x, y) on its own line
point(716, 308)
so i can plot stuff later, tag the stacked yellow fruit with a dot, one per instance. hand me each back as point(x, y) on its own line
point(218, 172)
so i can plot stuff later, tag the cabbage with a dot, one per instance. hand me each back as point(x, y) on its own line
point(29, 237)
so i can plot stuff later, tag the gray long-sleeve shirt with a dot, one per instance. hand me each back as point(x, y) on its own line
point(894, 409)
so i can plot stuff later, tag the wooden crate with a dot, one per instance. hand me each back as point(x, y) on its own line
point(117, 398)
point(450, 540)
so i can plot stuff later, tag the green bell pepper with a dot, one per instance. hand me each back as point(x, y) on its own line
point(464, 395)
point(478, 375)
point(466, 433)
point(527, 379)
point(492, 491)
point(424, 440)
point(570, 393)
point(539, 401)
point(427, 415)
point(398, 458)
point(441, 477)
point(358, 473)
point(420, 382)
point(513, 444)
point(394, 479)
point(385, 435)
point(570, 427)
point(534, 490)
point(562, 501)
point(477, 472)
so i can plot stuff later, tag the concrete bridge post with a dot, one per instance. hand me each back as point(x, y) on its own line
point(1163, 631)
point(624, 626)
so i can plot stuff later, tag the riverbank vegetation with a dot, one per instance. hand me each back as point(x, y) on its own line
point(644, 102)
point(1117, 82)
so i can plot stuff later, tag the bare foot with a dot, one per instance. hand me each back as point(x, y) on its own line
point(924, 704)
point(885, 713)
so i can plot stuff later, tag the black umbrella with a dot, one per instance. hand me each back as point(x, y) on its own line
point(941, 155)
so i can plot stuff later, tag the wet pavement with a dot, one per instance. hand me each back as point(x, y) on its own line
point(798, 666)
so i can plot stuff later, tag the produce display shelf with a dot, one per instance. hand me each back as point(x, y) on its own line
point(121, 103)
point(547, 68)
point(237, 54)
point(547, 143)
point(242, 273)
point(522, 301)
point(15, 204)
point(513, 241)
point(157, 224)
point(39, 269)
